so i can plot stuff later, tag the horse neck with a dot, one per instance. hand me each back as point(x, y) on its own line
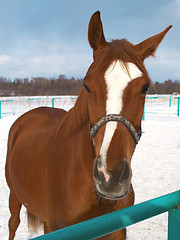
point(76, 117)
point(74, 130)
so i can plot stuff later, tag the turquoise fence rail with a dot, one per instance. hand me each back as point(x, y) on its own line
point(34, 99)
point(175, 112)
point(1, 113)
point(170, 104)
point(143, 118)
point(114, 221)
point(12, 100)
point(178, 104)
point(53, 99)
point(178, 112)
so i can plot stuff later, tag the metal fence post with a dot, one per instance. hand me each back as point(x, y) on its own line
point(178, 102)
point(53, 99)
point(143, 118)
point(52, 102)
point(174, 224)
point(170, 101)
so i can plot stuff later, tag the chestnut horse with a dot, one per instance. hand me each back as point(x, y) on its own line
point(67, 167)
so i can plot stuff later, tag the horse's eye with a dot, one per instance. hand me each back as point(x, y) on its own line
point(86, 88)
point(145, 88)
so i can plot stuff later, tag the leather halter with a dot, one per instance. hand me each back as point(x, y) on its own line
point(118, 118)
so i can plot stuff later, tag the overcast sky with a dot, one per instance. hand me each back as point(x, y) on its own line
point(49, 37)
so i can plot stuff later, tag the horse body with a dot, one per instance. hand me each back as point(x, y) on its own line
point(54, 167)
point(47, 191)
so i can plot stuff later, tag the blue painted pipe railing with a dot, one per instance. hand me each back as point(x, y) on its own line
point(1, 109)
point(53, 103)
point(114, 221)
point(34, 99)
point(178, 105)
point(54, 99)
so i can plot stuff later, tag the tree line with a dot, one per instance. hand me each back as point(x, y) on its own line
point(62, 85)
point(40, 86)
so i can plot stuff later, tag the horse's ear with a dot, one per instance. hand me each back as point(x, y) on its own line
point(95, 32)
point(148, 47)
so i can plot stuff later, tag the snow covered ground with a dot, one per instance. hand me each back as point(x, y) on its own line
point(156, 163)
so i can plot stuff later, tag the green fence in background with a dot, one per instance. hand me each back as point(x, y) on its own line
point(53, 100)
point(74, 98)
point(1, 108)
point(12, 100)
point(170, 101)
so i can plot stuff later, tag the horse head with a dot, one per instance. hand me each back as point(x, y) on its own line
point(116, 85)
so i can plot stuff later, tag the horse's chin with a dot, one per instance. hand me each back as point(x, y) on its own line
point(111, 197)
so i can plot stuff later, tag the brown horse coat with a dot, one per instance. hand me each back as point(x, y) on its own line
point(51, 156)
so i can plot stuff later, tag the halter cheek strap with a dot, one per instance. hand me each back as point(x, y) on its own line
point(118, 118)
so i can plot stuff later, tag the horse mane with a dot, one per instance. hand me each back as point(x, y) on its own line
point(114, 51)
point(76, 116)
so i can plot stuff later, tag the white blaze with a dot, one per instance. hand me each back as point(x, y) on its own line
point(117, 79)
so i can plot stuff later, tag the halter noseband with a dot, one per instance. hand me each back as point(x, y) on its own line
point(118, 118)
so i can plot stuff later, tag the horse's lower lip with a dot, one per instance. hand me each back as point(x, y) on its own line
point(111, 197)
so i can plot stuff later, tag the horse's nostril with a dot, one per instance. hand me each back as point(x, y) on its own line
point(100, 173)
point(104, 172)
point(111, 179)
point(125, 173)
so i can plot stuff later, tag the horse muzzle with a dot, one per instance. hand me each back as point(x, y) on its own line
point(112, 185)
point(112, 196)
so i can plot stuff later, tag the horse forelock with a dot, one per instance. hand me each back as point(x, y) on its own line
point(116, 50)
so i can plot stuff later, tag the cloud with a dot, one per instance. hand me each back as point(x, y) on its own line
point(44, 38)
point(5, 59)
point(44, 66)
point(53, 65)
point(165, 66)
point(175, 8)
point(170, 10)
